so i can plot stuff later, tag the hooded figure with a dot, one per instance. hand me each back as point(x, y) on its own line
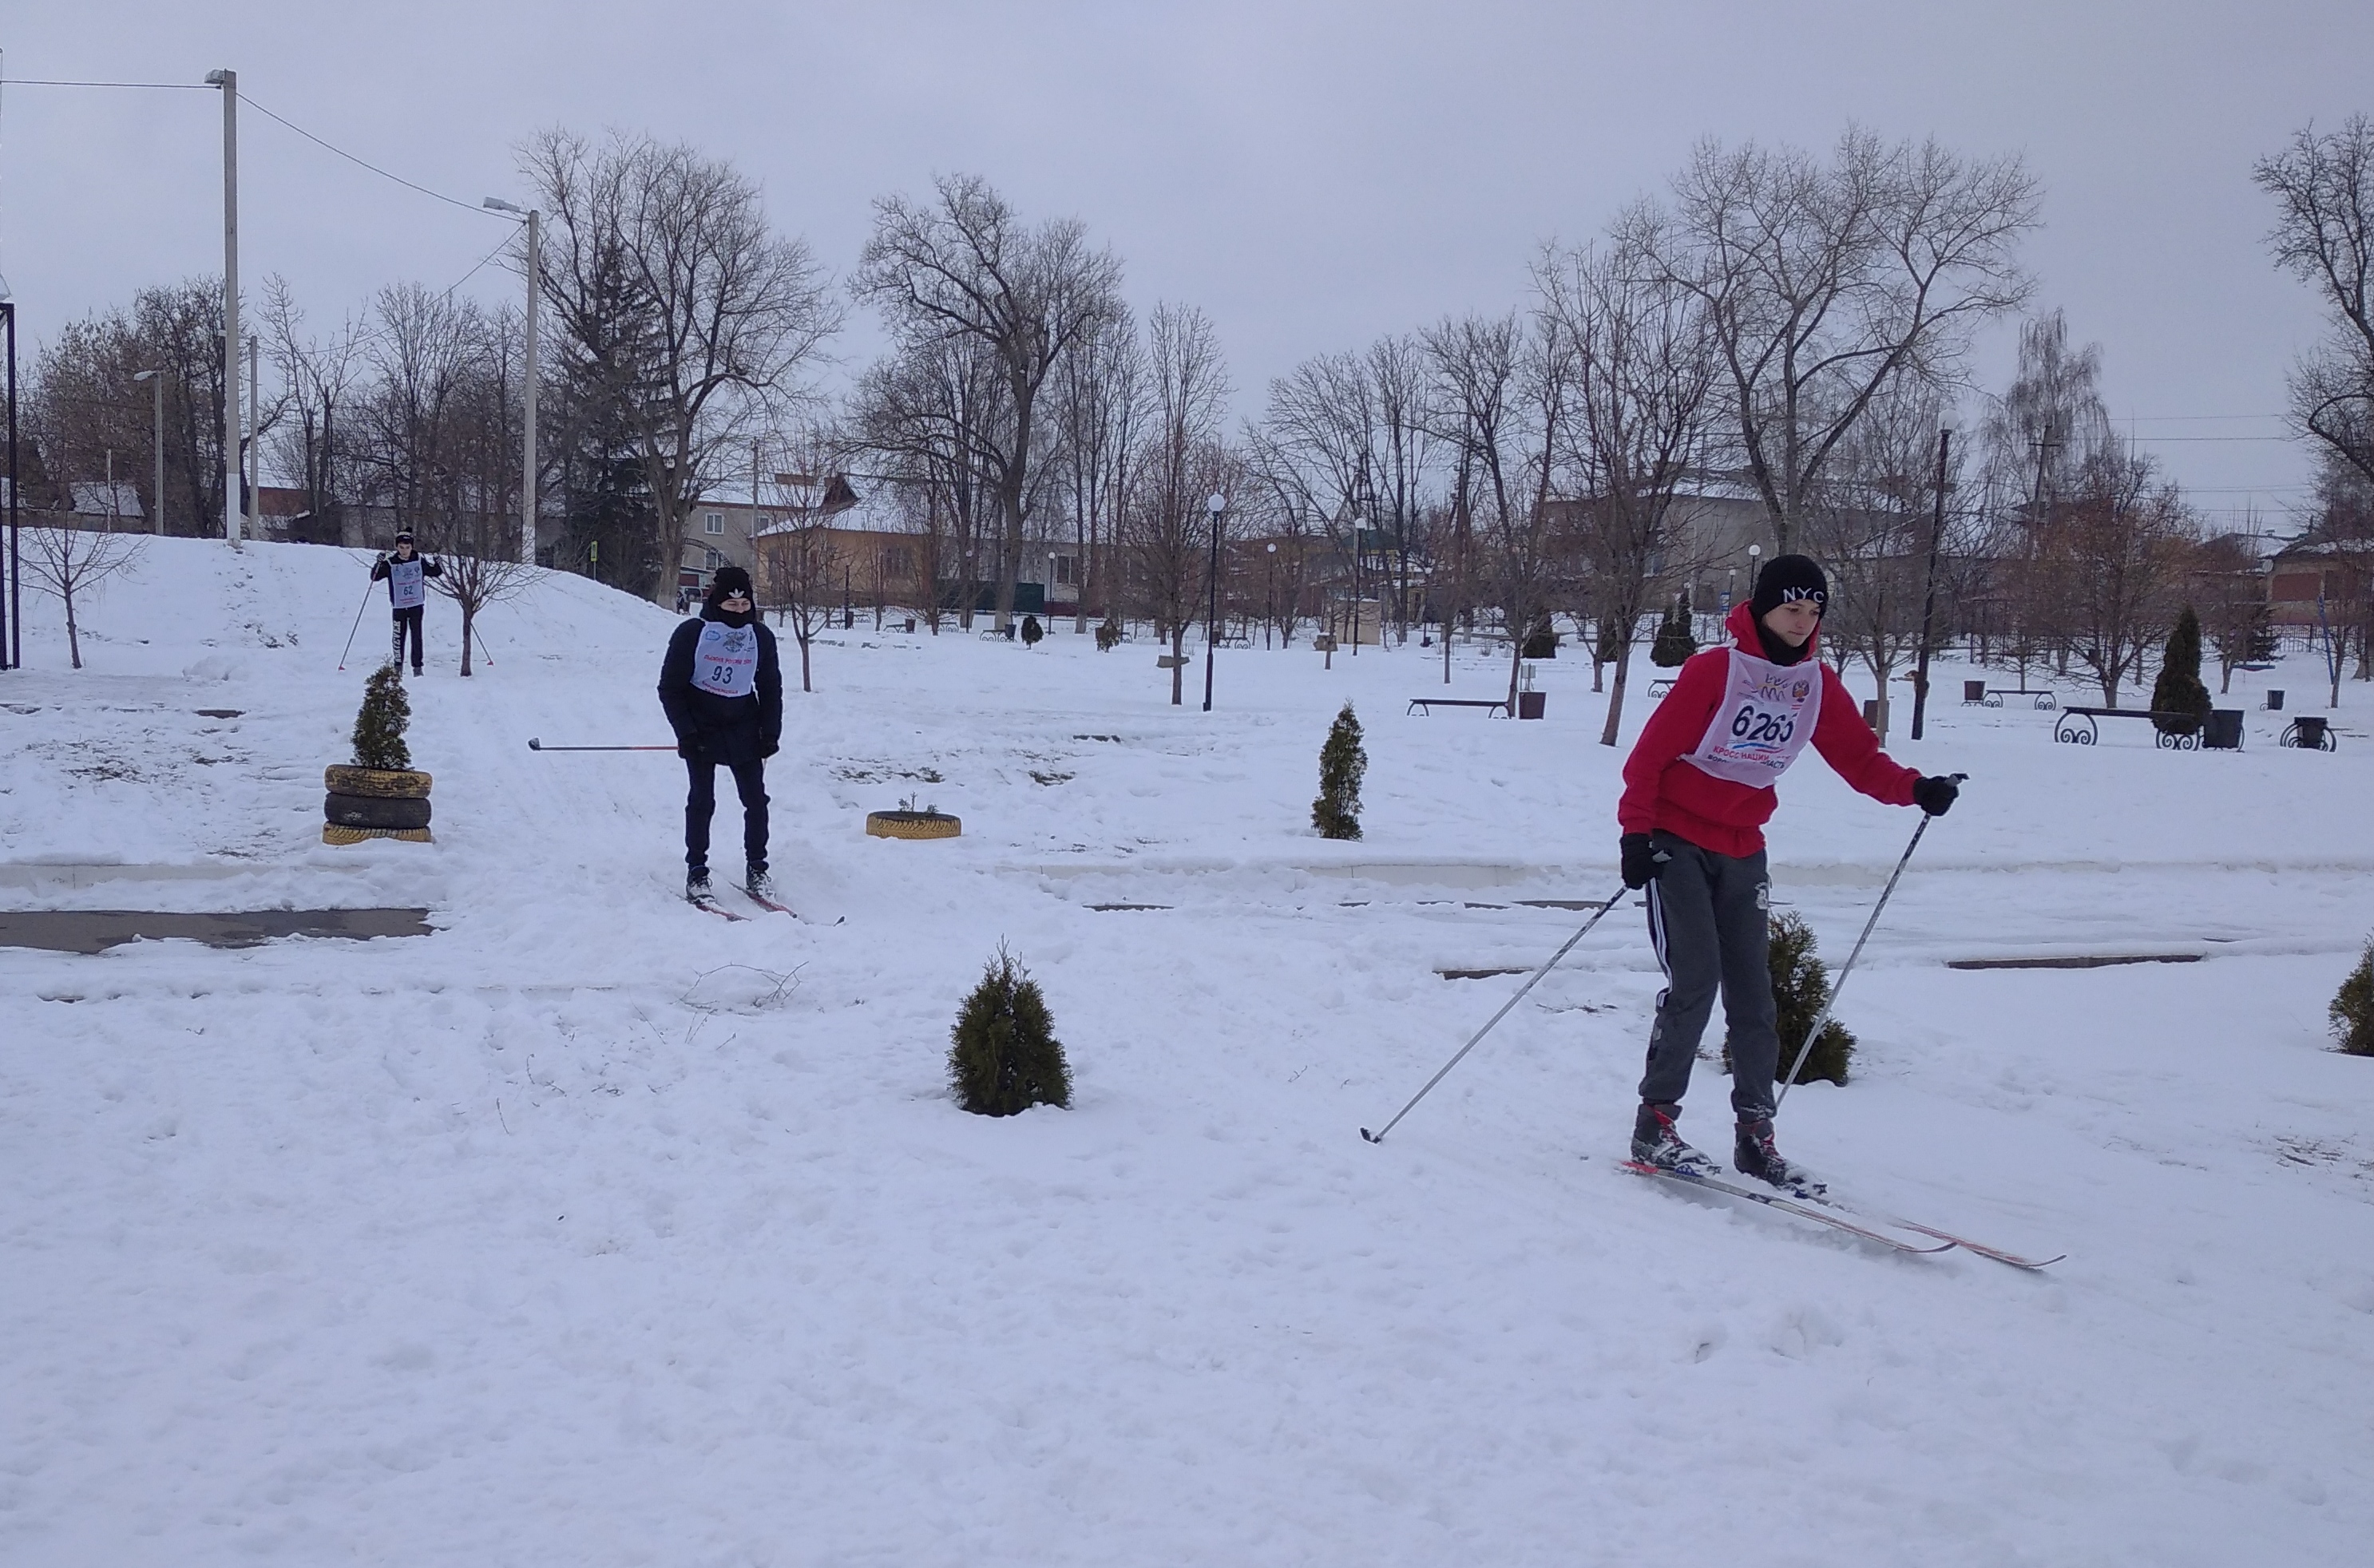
point(1698, 791)
point(722, 690)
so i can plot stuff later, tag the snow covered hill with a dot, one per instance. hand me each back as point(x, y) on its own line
point(595, 1230)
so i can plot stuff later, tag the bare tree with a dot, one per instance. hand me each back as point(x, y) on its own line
point(1276, 501)
point(1869, 519)
point(2122, 546)
point(2323, 186)
point(964, 267)
point(1187, 391)
point(1100, 404)
point(675, 301)
point(1504, 389)
point(1642, 419)
point(315, 376)
point(1826, 280)
point(82, 400)
point(928, 415)
point(65, 561)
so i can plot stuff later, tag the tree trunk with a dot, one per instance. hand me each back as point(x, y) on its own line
point(1616, 696)
point(1178, 662)
point(73, 637)
point(804, 659)
point(468, 620)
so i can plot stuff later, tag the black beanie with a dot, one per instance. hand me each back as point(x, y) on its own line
point(1788, 578)
point(729, 580)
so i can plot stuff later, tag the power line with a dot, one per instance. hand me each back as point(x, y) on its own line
point(365, 163)
point(157, 86)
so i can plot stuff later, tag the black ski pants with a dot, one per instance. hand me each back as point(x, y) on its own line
point(1707, 919)
point(410, 618)
point(700, 805)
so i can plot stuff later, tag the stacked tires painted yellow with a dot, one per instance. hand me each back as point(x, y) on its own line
point(374, 802)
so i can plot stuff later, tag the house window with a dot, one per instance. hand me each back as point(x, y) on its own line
point(896, 561)
point(1067, 571)
point(713, 522)
point(715, 560)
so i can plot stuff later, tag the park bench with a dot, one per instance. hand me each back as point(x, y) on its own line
point(1427, 705)
point(1979, 694)
point(2067, 728)
point(2309, 731)
point(1661, 686)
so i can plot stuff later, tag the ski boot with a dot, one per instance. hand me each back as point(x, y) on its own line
point(697, 885)
point(1654, 1141)
point(759, 884)
point(1753, 1155)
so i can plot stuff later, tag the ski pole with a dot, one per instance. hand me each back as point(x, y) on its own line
point(489, 658)
point(1822, 1018)
point(1378, 1136)
point(535, 745)
point(356, 628)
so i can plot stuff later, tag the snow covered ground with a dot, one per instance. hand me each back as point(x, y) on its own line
point(595, 1230)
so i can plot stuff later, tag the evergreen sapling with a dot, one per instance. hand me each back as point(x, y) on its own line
point(1343, 761)
point(1002, 1054)
point(1801, 988)
point(2352, 1008)
point(1674, 641)
point(380, 722)
point(2179, 688)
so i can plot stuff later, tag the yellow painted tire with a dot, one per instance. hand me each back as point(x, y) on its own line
point(383, 783)
point(912, 825)
point(333, 834)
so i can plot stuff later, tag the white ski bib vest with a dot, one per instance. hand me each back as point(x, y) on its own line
point(405, 590)
point(1765, 718)
point(726, 662)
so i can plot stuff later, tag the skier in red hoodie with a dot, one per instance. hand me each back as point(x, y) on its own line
point(1697, 789)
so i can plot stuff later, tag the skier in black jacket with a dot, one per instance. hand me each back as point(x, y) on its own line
point(723, 688)
point(406, 576)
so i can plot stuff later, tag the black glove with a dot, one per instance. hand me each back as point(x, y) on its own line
point(769, 748)
point(1642, 859)
point(688, 745)
point(1935, 794)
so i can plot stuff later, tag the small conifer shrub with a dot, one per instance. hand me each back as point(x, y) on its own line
point(1343, 763)
point(2352, 1008)
point(2179, 688)
point(380, 722)
point(1002, 1054)
point(1801, 988)
point(1674, 641)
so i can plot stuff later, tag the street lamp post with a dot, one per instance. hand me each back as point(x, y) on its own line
point(157, 505)
point(1929, 597)
point(1269, 591)
point(1216, 504)
point(527, 437)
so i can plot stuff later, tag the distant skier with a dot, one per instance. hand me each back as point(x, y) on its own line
point(723, 689)
point(406, 576)
point(1698, 788)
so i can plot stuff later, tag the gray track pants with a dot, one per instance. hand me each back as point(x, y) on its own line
point(1706, 918)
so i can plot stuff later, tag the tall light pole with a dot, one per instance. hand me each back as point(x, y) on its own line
point(1216, 504)
point(1929, 598)
point(157, 505)
point(233, 468)
point(527, 439)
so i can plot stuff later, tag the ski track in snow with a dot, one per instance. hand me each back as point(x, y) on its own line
point(592, 1230)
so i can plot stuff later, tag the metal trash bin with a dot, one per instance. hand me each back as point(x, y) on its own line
point(2223, 732)
point(2276, 699)
point(1974, 691)
point(1530, 704)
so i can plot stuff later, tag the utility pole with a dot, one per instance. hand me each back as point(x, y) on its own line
point(156, 508)
point(529, 509)
point(232, 467)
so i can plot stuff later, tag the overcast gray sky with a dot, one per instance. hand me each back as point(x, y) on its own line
point(1311, 175)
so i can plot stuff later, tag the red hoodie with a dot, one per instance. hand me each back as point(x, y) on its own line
point(1664, 789)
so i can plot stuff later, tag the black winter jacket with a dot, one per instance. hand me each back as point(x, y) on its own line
point(429, 567)
point(729, 730)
